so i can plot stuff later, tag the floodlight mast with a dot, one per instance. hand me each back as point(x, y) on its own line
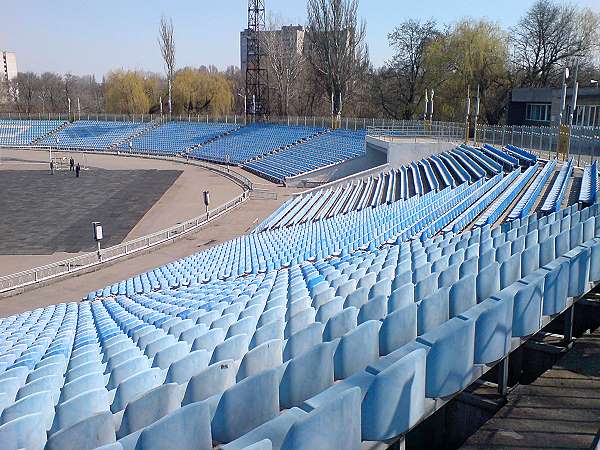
point(257, 79)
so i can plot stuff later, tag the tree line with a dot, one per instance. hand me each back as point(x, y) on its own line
point(333, 74)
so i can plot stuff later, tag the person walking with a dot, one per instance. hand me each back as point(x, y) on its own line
point(77, 169)
point(51, 167)
point(71, 164)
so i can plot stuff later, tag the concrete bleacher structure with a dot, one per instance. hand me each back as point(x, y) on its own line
point(347, 317)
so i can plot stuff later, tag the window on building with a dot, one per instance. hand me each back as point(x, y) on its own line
point(587, 116)
point(538, 112)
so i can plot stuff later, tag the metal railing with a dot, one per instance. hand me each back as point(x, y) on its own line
point(91, 259)
point(351, 123)
point(449, 131)
point(544, 141)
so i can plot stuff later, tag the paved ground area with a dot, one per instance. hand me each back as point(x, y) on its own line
point(237, 222)
point(559, 410)
point(180, 198)
point(45, 213)
point(181, 201)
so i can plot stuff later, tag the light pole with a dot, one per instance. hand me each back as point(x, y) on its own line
point(476, 114)
point(245, 108)
point(467, 113)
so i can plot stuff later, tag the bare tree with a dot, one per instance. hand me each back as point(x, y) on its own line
point(548, 37)
point(337, 50)
point(401, 83)
point(166, 42)
point(285, 61)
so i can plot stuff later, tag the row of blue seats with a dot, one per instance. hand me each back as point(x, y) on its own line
point(418, 178)
point(326, 149)
point(273, 249)
point(253, 141)
point(529, 199)
point(556, 195)
point(340, 350)
point(94, 134)
point(176, 137)
point(588, 193)
point(24, 132)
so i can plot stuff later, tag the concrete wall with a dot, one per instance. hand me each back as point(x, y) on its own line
point(401, 151)
point(371, 159)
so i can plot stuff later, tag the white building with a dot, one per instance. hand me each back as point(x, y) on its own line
point(8, 65)
point(292, 38)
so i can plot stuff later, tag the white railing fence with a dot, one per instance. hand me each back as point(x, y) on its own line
point(91, 259)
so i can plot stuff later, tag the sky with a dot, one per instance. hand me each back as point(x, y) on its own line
point(93, 37)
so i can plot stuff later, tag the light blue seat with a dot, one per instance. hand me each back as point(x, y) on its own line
point(432, 311)
point(231, 419)
point(27, 432)
point(493, 328)
point(579, 270)
point(165, 357)
point(267, 332)
point(395, 399)
point(209, 340)
point(134, 386)
point(126, 370)
point(263, 357)
point(232, 348)
point(340, 324)
point(121, 357)
point(398, 328)
point(87, 434)
point(185, 368)
point(487, 282)
point(401, 296)
point(329, 309)
point(190, 334)
point(306, 375)
point(357, 349)
point(510, 270)
point(374, 309)
point(80, 407)
point(450, 357)
point(335, 424)
point(462, 295)
point(41, 402)
point(187, 428)
point(149, 408)
point(273, 431)
point(303, 341)
point(51, 383)
point(555, 287)
point(357, 298)
point(530, 259)
point(299, 321)
point(211, 381)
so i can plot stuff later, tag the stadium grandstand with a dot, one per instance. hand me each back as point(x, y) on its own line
point(344, 320)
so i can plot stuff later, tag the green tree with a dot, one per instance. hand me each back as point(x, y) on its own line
point(125, 93)
point(201, 92)
point(471, 53)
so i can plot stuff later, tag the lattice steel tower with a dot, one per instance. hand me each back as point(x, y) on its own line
point(257, 79)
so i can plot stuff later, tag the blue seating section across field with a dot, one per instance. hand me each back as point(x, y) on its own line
point(252, 141)
point(324, 150)
point(93, 134)
point(176, 137)
point(24, 132)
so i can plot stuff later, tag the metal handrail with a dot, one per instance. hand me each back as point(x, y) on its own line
point(87, 260)
point(59, 268)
